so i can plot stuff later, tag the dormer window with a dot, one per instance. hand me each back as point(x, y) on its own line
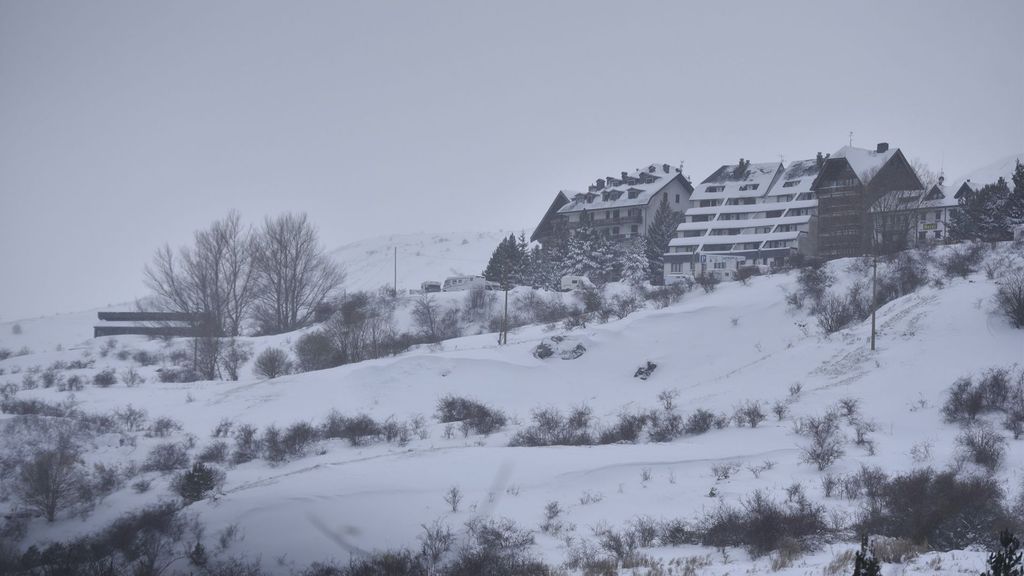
point(633, 194)
point(746, 187)
point(791, 183)
point(712, 189)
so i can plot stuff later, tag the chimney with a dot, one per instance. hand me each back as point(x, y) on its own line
point(624, 174)
point(820, 159)
point(882, 147)
point(664, 167)
point(600, 183)
point(941, 180)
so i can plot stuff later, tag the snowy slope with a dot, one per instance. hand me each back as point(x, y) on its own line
point(718, 350)
point(991, 173)
point(370, 263)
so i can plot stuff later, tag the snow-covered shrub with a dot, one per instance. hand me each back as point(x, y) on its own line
point(144, 358)
point(942, 509)
point(478, 304)
point(162, 427)
point(359, 430)
point(297, 438)
point(52, 479)
point(665, 296)
point(622, 305)
point(749, 414)
point(166, 457)
point(233, 356)
point(812, 283)
point(194, 484)
point(537, 309)
point(962, 261)
point(745, 273)
point(73, 383)
point(964, 401)
point(699, 422)
point(179, 374)
point(1010, 298)
point(708, 282)
point(475, 417)
point(628, 429)
point(271, 363)
point(836, 312)
point(983, 446)
point(316, 351)
point(665, 424)
point(130, 377)
point(247, 444)
point(5, 353)
point(551, 428)
point(105, 378)
point(216, 452)
point(130, 418)
point(826, 440)
point(762, 525)
point(496, 546)
point(32, 406)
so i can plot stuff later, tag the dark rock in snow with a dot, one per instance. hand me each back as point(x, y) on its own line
point(644, 372)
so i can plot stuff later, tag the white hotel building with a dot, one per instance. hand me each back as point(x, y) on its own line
point(759, 214)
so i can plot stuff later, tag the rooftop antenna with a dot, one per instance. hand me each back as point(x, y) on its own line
point(782, 158)
point(851, 138)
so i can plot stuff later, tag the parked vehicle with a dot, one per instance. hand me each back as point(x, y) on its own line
point(430, 286)
point(570, 283)
point(459, 283)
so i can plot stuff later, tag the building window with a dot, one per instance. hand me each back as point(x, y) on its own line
point(938, 234)
point(790, 183)
point(712, 189)
point(746, 187)
point(677, 198)
point(922, 235)
point(615, 230)
point(676, 267)
point(634, 229)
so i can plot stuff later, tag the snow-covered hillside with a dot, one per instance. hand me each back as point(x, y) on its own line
point(370, 263)
point(716, 351)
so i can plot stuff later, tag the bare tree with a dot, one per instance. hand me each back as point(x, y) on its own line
point(215, 276)
point(294, 273)
point(52, 479)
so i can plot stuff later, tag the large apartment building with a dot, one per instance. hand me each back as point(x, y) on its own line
point(620, 206)
point(747, 214)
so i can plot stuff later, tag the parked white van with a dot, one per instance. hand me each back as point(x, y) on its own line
point(459, 283)
point(570, 283)
point(430, 286)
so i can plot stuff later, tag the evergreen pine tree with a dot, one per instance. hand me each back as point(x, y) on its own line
point(982, 215)
point(864, 562)
point(590, 253)
point(635, 267)
point(505, 263)
point(661, 230)
point(1014, 207)
point(1008, 560)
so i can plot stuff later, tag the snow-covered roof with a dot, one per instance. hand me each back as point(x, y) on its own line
point(730, 181)
point(635, 189)
point(865, 163)
point(797, 178)
point(941, 196)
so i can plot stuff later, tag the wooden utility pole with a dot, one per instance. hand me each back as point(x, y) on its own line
point(396, 272)
point(503, 337)
point(874, 297)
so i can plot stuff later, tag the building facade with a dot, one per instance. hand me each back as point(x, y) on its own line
point(621, 207)
point(744, 215)
point(849, 186)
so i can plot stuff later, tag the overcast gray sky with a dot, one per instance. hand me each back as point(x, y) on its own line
point(124, 125)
